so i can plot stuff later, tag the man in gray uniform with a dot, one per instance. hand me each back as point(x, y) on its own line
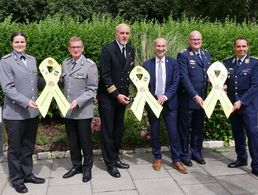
point(80, 79)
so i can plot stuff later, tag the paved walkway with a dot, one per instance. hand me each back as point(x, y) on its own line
point(141, 179)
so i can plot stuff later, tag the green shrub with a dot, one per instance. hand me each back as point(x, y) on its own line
point(49, 38)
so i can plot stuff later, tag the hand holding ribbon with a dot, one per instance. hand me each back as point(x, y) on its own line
point(143, 94)
point(51, 89)
point(217, 92)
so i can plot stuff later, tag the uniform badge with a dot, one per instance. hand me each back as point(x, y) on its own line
point(247, 61)
point(233, 61)
point(191, 53)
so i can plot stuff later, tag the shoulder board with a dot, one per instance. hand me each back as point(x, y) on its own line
point(254, 57)
point(228, 57)
point(183, 50)
point(6, 56)
point(90, 61)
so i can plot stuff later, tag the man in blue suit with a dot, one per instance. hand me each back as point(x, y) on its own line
point(242, 89)
point(193, 63)
point(164, 78)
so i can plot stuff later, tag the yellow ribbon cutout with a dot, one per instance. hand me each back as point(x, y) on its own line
point(51, 89)
point(217, 92)
point(143, 94)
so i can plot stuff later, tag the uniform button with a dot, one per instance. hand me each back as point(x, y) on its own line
point(69, 83)
point(235, 87)
point(33, 97)
point(32, 89)
point(236, 82)
point(235, 93)
point(69, 77)
point(68, 96)
point(68, 89)
point(31, 81)
point(235, 76)
point(121, 79)
point(13, 102)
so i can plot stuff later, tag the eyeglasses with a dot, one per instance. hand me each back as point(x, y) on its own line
point(196, 39)
point(76, 47)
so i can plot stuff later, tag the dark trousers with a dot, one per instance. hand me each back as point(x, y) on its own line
point(241, 123)
point(170, 119)
point(190, 128)
point(1, 140)
point(21, 145)
point(79, 139)
point(112, 127)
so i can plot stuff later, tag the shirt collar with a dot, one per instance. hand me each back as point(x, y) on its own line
point(162, 59)
point(242, 59)
point(120, 46)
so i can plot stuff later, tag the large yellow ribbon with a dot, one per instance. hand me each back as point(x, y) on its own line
point(143, 94)
point(51, 89)
point(217, 92)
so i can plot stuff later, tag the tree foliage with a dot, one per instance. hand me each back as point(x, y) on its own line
point(133, 10)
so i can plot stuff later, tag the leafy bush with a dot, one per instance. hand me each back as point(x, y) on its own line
point(49, 38)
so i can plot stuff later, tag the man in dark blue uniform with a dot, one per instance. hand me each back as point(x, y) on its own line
point(242, 89)
point(116, 62)
point(164, 79)
point(193, 63)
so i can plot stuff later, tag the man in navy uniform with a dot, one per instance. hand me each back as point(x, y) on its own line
point(116, 62)
point(242, 89)
point(193, 63)
point(164, 79)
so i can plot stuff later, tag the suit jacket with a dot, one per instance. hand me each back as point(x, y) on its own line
point(114, 72)
point(172, 80)
point(19, 84)
point(193, 76)
point(242, 83)
point(80, 84)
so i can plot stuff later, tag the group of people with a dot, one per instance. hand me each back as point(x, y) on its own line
point(179, 85)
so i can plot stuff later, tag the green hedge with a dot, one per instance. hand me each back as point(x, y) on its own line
point(49, 38)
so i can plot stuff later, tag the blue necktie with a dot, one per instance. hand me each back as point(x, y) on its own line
point(199, 56)
point(239, 62)
point(159, 90)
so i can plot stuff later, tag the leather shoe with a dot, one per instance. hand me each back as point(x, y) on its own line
point(34, 179)
point(86, 176)
point(237, 163)
point(156, 164)
point(199, 160)
point(255, 172)
point(21, 188)
point(180, 167)
point(121, 165)
point(72, 172)
point(113, 172)
point(187, 163)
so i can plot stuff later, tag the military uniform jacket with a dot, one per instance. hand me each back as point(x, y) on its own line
point(114, 72)
point(19, 84)
point(193, 76)
point(242, 83)
point(172, 80)
point(80, 84)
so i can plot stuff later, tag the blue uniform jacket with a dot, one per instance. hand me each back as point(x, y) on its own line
point(193, 76)
point(172, 80)
point(242, 83)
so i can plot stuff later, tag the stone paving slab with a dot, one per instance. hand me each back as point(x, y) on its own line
point(140, 179)
point(239, 184)
point(158, 186)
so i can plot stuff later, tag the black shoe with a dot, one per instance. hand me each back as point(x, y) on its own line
point(237, 163)
point(187, 163)
point(121, 165)
point(113, 172)
point(72, 172)
point(86, 176)
point(199, 160)
point(21, 188)
point(34, 179)
point(255, 172)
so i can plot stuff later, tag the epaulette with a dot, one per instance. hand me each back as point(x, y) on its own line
point(7, 56)
point(254, 57)
point(228, 57)
point(182, 50)
point(90, 61)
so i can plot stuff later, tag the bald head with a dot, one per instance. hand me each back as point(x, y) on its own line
point(195, 40)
